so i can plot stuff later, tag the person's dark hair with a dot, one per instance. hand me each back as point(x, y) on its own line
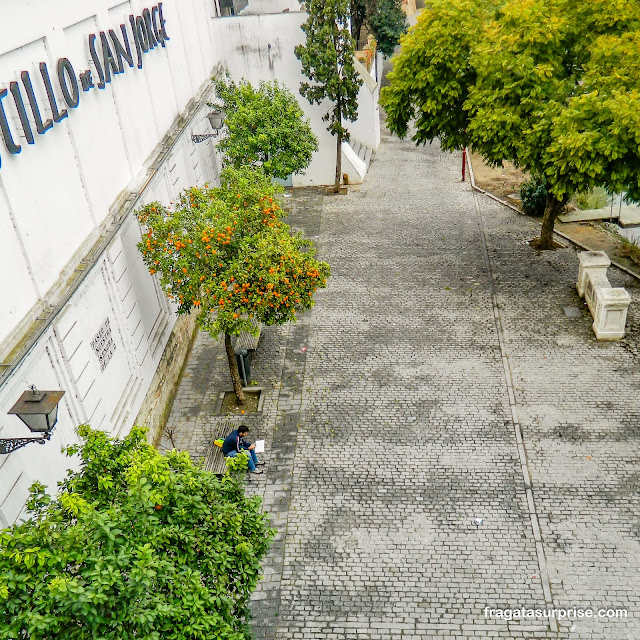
point(242, 428)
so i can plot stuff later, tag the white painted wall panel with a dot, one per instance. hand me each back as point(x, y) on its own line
point(18, 291)
point(94, 127)
point(32, 180)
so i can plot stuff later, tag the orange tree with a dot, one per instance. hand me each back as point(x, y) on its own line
point(227, 252)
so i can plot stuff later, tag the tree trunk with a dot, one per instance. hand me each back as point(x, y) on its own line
point(336, 186)
point(552, 210)
point(357, 28)
point(233, 368)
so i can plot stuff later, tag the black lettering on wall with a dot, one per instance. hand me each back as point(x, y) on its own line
point(146, 16)
point(68, 83)
point(110, 64)
point(163, 29)
point(142, 34)
point(86, 80)
point(132, 21)
point(96, 61)
point(12, 147)
point(57, 115)
point(154, 22)
point(148, 31)
point(14, 87)
point(122, 51)
point(41, 127)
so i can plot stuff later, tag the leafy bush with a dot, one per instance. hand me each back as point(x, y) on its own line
point(533, 195)
point(266, 127)
point(136, 545)
point(594, 199)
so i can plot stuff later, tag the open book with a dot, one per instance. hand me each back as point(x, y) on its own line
point(259, 446)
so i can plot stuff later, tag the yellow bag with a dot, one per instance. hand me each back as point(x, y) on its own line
point(219, 442)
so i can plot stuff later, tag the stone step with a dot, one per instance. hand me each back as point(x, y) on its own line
point(362, 151)
point(367, 156)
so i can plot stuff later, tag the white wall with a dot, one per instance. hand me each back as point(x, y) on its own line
point(58, 195)
point(366, 129)
point(58, 191)
point(261, 48)
point(270, 6)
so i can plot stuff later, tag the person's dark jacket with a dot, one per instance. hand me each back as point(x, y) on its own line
point(233, 442)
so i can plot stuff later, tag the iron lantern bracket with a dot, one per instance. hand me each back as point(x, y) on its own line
point(9, 445)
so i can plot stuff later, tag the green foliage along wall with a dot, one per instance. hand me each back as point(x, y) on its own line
point(136, 545)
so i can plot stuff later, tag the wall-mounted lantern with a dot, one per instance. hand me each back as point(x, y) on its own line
point(216, 120)
point(39, 411)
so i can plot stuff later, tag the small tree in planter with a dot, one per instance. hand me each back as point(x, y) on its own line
point(226, 252)
point(266, 127)
point(327, 60)
point(136, 545)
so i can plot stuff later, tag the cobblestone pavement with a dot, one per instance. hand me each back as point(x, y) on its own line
point(442, 381)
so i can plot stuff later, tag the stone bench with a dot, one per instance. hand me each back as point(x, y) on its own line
point(608, 305)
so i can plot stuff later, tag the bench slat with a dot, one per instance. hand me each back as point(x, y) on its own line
point(214, 460)
point(247, 341)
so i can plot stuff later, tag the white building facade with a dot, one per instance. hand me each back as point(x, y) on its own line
point(99, 100)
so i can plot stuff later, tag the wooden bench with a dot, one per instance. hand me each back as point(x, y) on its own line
point(214, 461)
point(247, 341)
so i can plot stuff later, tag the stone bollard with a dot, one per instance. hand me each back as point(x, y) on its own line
point(591, 262)
point(610, 317)
point(608, 305)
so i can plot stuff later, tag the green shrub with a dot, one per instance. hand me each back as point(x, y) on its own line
point(136, 545)
point(533, 195)
point(265, 127)
point(594, 199)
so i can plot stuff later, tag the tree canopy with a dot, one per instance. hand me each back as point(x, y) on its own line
point(545, 84)
point(265, 126)
point(136, 545)
point(327, 60)
point(227, 252)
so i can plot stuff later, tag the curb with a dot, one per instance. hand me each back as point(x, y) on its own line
point(559, 233)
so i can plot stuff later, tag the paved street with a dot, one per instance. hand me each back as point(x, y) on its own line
point(442, 381)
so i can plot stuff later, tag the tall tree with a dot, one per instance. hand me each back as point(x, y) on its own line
point(135, 545)
point(388, 22)
point(227, 252)
point(327, 60)
point(265, 127)
point(535, 82)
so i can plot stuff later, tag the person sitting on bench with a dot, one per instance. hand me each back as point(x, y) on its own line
point(235, 443)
